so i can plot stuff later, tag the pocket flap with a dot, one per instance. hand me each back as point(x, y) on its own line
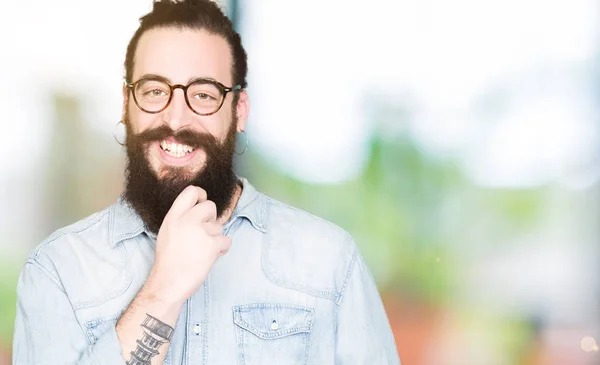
point(95, 328)
point(271, 321)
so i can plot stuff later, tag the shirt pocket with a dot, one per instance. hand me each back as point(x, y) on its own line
point(271, 333)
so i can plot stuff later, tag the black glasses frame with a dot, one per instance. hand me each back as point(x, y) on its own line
point(222, 88)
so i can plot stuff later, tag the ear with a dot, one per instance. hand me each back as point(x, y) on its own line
point(125, 101)
point(242, 109)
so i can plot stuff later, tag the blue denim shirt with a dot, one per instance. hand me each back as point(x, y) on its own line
point(293, 289)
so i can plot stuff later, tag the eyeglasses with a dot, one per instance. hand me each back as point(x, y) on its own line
point(202, 96)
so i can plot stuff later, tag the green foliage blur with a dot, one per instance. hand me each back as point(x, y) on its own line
point(413, 216)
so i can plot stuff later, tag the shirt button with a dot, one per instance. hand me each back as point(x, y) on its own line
point(274, 325)
point(197, 329)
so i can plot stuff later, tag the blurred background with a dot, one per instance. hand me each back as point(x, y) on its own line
point(456, 140)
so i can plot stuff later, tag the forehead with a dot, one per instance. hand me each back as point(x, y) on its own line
point(183, 54)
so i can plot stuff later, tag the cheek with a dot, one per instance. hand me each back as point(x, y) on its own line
point(216, 131)
point(214, 125)
point(219, 126)
point(141, 121)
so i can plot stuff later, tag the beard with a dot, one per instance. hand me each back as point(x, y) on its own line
point(152, 193)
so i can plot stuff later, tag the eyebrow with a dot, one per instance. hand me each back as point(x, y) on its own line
point(189, 81)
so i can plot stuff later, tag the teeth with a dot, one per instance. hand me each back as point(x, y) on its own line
point(175, 149)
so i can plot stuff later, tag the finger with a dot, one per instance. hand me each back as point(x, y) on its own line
point(189, 197)
point(205, 211)
point(223, 244)
point(213, 228)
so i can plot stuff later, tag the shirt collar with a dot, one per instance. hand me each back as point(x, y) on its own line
point(125, 222)
point(251, 205)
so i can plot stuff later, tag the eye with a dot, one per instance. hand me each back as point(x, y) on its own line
point(203, 96)
point(157, 92)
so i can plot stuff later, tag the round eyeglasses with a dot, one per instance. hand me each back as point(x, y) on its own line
point(202, 96)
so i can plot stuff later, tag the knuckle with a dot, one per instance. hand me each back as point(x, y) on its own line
point(211, 206)
point(223, 241)
point(198, 190)
point(185, 194)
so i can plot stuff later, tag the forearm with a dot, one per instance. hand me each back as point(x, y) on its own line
point(145, 329)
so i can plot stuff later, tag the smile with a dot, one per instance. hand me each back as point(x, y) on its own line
point(173, 153)
point(175, 149)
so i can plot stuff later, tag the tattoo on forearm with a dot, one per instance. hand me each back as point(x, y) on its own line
point(155, 334)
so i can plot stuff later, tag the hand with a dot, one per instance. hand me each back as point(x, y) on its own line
point(188, 244)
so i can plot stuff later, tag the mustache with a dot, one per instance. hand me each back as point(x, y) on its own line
point(184, 136)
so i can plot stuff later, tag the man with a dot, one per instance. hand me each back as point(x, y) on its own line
point(192, 265)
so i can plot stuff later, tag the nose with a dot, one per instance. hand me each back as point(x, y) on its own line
point(177, 114)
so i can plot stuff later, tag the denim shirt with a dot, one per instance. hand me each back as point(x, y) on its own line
point(293, 289)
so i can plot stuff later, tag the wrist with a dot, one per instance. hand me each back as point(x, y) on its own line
point(159, 292)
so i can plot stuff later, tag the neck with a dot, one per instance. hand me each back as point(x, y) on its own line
point(232, 204)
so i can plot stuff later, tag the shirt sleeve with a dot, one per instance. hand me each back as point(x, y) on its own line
point(46, 329)
point(363, 333)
